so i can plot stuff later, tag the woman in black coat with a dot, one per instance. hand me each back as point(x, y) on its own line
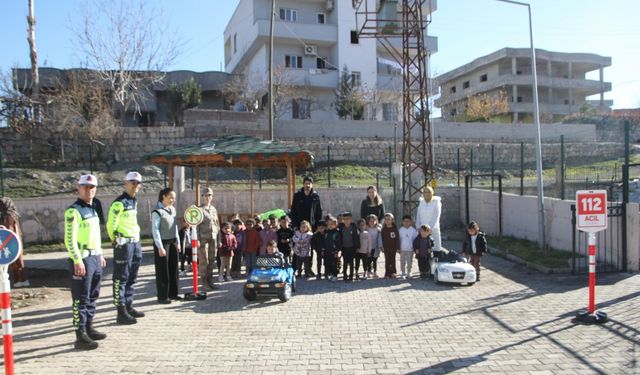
point(372, 205)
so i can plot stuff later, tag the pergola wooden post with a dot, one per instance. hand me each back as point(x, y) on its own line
point(170, 174)
point(289, 182)
point(251, 188)
point(197, 189)
point(206, 174)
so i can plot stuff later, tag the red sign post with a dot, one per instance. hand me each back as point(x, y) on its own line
point(10, 248)
point(591, 210)
point(194, 216)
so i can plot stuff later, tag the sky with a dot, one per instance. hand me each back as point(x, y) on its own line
point(466, 29)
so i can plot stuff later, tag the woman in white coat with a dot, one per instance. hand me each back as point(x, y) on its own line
point(429, 213)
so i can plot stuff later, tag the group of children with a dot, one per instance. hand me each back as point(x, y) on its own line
point(338, 244)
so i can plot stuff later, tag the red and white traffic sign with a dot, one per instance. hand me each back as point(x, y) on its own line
point(591, 208)
point(592, 217)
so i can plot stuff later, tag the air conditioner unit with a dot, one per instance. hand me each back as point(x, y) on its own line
point(310, 50)
point(329, 5)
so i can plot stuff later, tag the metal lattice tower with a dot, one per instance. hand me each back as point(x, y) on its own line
point(389, 26)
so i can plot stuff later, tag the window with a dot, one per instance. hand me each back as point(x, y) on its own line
point(483, 78)
point(288, 14)
point(566, 102)
point(389, 112)
point(454, 112)
point(320, 17)
point(146, 119)
point(354, 37)
point(301, 109)
point(519, 99)
point(355, 79)
point(453, 89)
point(519, 72)
point(291, 61)
point(235, 43)
point(321, 63)
point(465, 85)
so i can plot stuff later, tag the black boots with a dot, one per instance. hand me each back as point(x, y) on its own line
point(93, 334)
point(134, 313)
point(83, 341)
point(124, 317)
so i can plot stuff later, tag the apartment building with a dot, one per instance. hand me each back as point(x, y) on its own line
point(565, 82)
point(314, 41)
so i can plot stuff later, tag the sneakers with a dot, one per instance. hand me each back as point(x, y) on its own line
point(22, 284)
point(229, 278)
point(220, 278)
point(183, 273)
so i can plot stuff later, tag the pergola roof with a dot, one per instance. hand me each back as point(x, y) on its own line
point(233, 151)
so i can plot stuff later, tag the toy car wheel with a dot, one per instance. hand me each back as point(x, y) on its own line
point(436, 278)
point(285, 293)
point(249, 295)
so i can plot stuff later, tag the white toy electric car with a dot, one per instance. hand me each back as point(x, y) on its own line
point(451, 267)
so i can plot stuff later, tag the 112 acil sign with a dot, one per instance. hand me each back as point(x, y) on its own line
point(591, 207)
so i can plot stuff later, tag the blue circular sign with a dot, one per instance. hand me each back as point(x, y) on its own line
point(10, 247)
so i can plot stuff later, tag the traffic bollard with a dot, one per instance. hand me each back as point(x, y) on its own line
point(7, 328)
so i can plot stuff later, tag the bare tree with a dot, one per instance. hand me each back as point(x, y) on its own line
point(252, 89)
point(486, 106)
point(130, 47)
point(82, 108)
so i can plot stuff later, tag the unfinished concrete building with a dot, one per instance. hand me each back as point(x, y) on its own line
point(565, 81)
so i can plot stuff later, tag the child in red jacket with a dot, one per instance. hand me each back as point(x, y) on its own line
point(228, 245)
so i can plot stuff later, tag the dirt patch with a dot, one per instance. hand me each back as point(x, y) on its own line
point(45, 285)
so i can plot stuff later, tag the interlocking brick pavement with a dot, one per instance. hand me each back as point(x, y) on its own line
point(512, 322)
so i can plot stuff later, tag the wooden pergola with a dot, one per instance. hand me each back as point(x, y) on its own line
point(234, 151)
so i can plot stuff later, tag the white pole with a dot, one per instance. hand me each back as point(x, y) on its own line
point(536, 119)
point(273, 11)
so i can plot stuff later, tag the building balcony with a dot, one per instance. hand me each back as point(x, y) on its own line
point(584, 86)
point(325, 35)
point(430, 42)
point(318, 78)
point(386, 82)
point(555, 109)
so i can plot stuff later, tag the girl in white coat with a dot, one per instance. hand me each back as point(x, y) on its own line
point(429, 213)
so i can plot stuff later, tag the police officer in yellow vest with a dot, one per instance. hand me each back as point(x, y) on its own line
point(124, 232)
point(83, 242)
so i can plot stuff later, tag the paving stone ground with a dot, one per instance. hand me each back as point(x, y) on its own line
point(512, 322)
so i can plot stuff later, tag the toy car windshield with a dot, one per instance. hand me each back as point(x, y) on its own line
point(269, 262)
point(450, 257)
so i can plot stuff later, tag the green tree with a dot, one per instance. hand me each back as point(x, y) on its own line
point(349, 101)
point(182, 97)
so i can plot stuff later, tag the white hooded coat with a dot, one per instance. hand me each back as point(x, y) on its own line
point(429, 214)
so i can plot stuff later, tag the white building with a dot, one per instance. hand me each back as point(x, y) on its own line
point(314, 40)
point(565, 82)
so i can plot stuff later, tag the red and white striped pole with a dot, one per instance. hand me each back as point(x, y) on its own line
point(592, 273)
point(7, 328)
point(194, 259)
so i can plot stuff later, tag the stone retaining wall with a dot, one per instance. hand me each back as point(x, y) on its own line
point(364, 142)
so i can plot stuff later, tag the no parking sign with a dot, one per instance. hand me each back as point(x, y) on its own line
point(10, 246)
